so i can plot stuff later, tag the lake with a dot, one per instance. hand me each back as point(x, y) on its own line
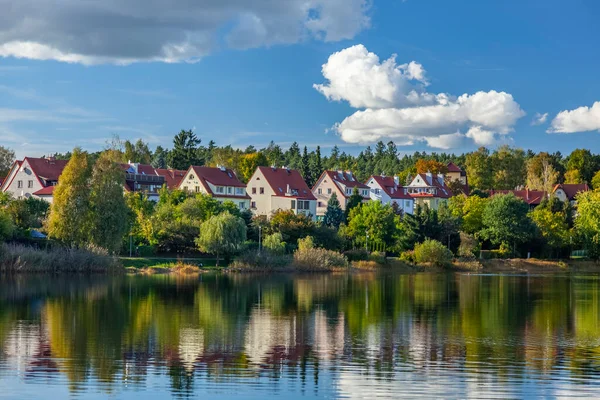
point(300, 336)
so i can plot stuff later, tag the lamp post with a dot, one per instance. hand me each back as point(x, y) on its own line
point(259, 238)
point(367, 241)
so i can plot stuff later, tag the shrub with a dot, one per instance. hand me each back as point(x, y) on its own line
point(6, 226)
point(16, 258)
point(274, 243)
point(357, 255)
point(260, 260)
point(469, 246)
point(434, 253)
point(378, 257)
point(309, 258)
point(408, 256)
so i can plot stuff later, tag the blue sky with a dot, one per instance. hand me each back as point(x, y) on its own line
point(254, 82)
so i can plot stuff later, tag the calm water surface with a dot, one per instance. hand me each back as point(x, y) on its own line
point(318, 336)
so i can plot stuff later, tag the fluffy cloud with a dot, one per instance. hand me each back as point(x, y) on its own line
point(539, 119)
point(581, 119)
point(394, 104)
point(127, 31)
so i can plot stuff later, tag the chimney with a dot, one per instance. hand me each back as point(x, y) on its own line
point(222, 168)
point(396, 180)
point(288, 189)
point(441, 179)
point(429, 176)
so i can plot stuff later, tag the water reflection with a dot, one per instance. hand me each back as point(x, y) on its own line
point(358, 336)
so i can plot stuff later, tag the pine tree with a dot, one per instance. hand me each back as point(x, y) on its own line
point(316, 165)
point(108, 209)
point(355, 200)
point(185, 151)
point(334, 216)
point(305, 168)
point(160, 158)
point(69, 215)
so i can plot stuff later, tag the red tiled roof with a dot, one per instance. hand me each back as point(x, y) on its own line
point(453, 167)
point(47, 191)
point(280, 178)
point(142, 169)
point(172, 177)
point(219, 177)
point(443, 191)
point(572, 189)
point(47, 168)
point(388, 184)
point(531, 197)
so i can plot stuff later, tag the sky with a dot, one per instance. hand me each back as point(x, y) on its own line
point(431, 75)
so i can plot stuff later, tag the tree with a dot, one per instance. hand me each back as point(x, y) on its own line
point(509, 168)
point(316, 166)
point(108, 208)
point(479, 169)
point(292, 226)
point(541, 174)
point(69, 215)
point(185, 151)
point(137, 152)
point(159, 160)
point(423, 166)
point(274, 243)
point(553, 227)
point(354, 200)
point(375, 219)
point(469, 210)
point(248, 164)
point(305, 170)
point(7, 158)
point(506, 221)
point(6, 225)
point(28, 213)
point(587, 222)
point(222, 235)
point(334, 216)
point(434, 253)
point(580, 166)
point(596, 181)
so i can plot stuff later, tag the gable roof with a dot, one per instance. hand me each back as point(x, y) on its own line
point(47, 168)
point(454, 168)
point(572, 189)
point(218, 177)
point(345, 178)
point(388, 185)
point(531, 197)
point(47, 191)
point(443, 191)
point(172, 177)
point(279, 179)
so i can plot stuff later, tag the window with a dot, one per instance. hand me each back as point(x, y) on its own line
point(192, 177)
point(253, 205)
point(185, 188)
point(303, 205)
point(262, 190)
point(220, 189)
point(377, 191)
point(229, 190)
point(365, 192)
point(329, 191)
point(320, 204)
point(20, 184)
point(348, 191)
point(293, 204)
point(242, 205)
point(253, 190)
point(320, 191)
point(29, 184)
point(240, 191)
point(197, 189)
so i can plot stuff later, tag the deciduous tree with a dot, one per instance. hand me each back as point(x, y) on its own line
point(222, 235)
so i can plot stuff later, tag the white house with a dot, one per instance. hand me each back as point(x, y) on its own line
point(388, 190)
point(342, 183)
point(218, 182)
point(429, 189)
point(33, 177)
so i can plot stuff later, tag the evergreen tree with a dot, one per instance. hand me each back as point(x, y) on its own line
point(159, 159)
point(69, 215)
point(185, 151)
point(108, 209)
point(355, 200)
point(334, 216)
point(305, 168)
point(316, 167)
point(293, 158)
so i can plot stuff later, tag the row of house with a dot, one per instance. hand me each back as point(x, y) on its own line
point(270, 188)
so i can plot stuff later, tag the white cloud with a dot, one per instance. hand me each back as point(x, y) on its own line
point(581, 119)
point(123, 32)
point(395, 105)
point(539, 119)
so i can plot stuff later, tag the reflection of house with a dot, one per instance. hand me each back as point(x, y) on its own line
point(429, 190)
point(218, 182)
point(33, 177)
point(191, 346)
point(273, 189)
point(342, 183)
point(387, 189)
point(265, 333)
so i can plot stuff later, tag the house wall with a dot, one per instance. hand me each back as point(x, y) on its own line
point(561, 195)
point(25, 175)
point(192, 185)
point(326, 185)
point(406, 205)
point(456, 176)
point(432, 202)
point(262, 202)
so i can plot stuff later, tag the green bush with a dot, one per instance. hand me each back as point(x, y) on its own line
point(434, 253)
point(408, 257)
point(357, 255)
point(261, 260)
point(146, 250)
point(310, 258)
point(274, 243)
point(378, 257)
point(469, 246)
point(6, 226)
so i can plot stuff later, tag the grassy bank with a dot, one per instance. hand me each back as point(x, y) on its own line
point(166, 262)
point(16, 258)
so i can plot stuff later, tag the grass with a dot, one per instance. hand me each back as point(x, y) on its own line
point(166, 262)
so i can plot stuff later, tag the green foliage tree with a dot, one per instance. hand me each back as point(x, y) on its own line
point(354, 201)
point(587, 222)
point(305, 169)
point(334, 216)
point(159, 158)
point(6, 226)
point(137, 152)
point(581, 165)
point(7, 158)
point(185, 151)
point(274, 243)
point(479, 169)
point(222, 235)
point(506, 221)
point(596, 181)
point(291, 226)
point(248, 164)
point(541, 174)
point(316, 165)
point(69, 213)
point(108, 208)
point(375, 219)
point(434, 253)
point(28, 213)
point(509, 168)
point(553, 228)
point(470, 211)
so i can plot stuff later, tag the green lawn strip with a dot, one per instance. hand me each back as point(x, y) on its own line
point(166, 262)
